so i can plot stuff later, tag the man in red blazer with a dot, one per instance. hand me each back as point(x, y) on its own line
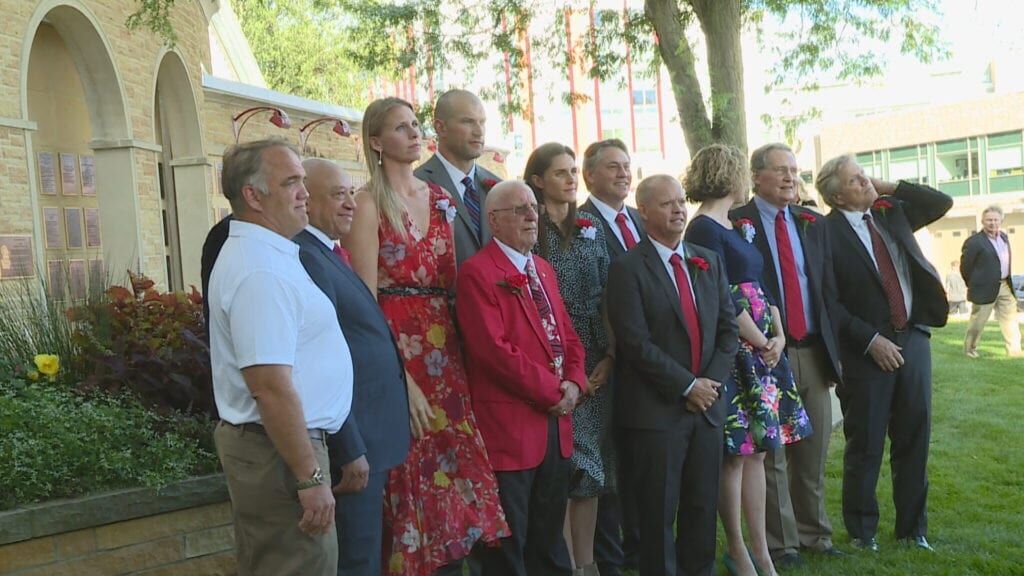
point(524, 362)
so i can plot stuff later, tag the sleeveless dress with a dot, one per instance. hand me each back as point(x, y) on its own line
point(764, 409)
point(444, 497)
point(581, 269)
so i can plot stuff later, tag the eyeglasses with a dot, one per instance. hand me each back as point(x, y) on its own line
point(522, 210)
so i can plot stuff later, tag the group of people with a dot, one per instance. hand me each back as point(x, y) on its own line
point(443, 371)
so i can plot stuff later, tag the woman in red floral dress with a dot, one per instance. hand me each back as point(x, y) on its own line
point(444, 498)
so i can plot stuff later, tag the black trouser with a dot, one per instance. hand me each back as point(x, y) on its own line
point(675, 480)
point(899, 402)
point(534, 502)
point(615, 550)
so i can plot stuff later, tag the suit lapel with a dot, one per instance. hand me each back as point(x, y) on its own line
point(851, 238)
point(502, 263)
point(634, 215)
point(479, 177)
point(701, 282)
point(656, 267)
point(770, 274)
point(439, 175)
point(615, 249)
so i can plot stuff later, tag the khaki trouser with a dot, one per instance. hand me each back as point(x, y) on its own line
point(795, 513)
point(266, 508)
point(1006, 313)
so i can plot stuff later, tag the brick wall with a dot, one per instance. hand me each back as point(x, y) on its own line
point(185, 542)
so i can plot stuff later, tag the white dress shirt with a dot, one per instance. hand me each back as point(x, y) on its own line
point(1003, 251)
point(458, 176)
point(665, 253)
point(609, 214)
point(320, 236)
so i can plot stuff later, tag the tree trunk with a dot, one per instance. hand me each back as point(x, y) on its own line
point(721, 22)
point(678, 58)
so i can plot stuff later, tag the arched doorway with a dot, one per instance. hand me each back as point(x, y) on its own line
point(81, 154)
point(182, 171)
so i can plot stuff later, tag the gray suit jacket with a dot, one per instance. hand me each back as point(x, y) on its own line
point(466, 243)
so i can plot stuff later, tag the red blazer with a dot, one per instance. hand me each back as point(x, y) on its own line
point(509, 363)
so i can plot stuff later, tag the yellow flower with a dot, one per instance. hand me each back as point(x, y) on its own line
point(441, 479)
point(48, 364)
point(396, 563)
point(440, 419)
point(436, 336)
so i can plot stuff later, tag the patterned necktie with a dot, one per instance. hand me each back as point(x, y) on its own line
point(796, 324)
point(890, 280)
point(472, 201)
point(547, 317)
point(689, 311)
point(342, 255)
point(627, 236)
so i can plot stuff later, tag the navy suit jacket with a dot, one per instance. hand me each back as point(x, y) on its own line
point(980, 268)
point(380, 403)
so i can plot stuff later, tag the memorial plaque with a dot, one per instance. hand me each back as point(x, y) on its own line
point(51, 228)
point(73, 222)
point(88, 166)
point(55, 278)
point(97, 275)
point(69, 174)
point(92, 227)
point(77, 280)
point(16, 257)
point(47, 173)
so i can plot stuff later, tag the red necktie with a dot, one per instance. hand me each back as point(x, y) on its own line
point(890, 280)
point(796, 324)
point(342, 255)
point(689, 312)
point(627, 237)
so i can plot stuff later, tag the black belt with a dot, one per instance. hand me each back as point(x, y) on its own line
point(806, 342)
point(414, 291)
point(316, 434)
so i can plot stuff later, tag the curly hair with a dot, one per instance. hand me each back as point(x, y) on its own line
point(716, 171)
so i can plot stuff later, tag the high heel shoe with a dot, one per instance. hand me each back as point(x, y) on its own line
point(754, 562)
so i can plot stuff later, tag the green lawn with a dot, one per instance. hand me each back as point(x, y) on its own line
point(976, 469)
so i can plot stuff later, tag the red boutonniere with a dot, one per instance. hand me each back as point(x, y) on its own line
point(698, 263)
point(489, 183)
point(806, 219)
point(882, 205)
point(515, 283)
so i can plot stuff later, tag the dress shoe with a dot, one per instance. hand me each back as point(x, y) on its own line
point(831, 552)
point(869, 544)
point(918, 542)
point(972, 354)
point(790, 560)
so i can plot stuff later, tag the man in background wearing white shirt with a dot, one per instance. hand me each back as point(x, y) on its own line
point(282, 370)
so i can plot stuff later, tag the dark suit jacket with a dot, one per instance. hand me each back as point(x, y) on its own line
point(615, 249)
point(379, 424)
point(861, 308)
point(466, 243)
point(652, 365)
point(979, 266)
point(817, 265)
point(215, 239)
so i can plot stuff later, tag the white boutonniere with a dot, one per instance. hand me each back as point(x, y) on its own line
point(586, 228)
point(445, 205)
point(747, 230)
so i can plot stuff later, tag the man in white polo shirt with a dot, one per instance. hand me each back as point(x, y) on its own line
point(282, 370)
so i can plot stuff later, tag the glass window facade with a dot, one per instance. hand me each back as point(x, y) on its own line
point(989, 164)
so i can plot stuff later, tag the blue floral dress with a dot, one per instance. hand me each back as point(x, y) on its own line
point(764, 411)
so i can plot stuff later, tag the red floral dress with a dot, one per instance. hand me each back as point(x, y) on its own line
point(444, 498)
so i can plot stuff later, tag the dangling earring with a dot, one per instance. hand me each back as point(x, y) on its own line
point(380, 158)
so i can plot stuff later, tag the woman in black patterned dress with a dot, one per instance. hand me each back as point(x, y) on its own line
point(573, 242)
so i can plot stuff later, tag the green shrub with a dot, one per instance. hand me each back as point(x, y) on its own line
point(57, 444)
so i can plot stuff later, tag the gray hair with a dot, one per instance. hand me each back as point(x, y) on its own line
point(243, 166)
point(590, 154)
point(759, 157)
point(827, 182)
point(497, 194)
point(993, 208)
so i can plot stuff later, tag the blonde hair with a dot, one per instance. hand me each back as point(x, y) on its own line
point(716, 171)
point(389, 206)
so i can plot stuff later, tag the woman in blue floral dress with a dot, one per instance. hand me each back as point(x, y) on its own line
point(764, 410)
point(573, 243)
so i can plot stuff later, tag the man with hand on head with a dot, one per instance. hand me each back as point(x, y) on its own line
point(676, 339)
point(376, 436)
point(282, 370)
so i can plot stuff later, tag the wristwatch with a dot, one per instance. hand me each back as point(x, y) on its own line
point(315, 480)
